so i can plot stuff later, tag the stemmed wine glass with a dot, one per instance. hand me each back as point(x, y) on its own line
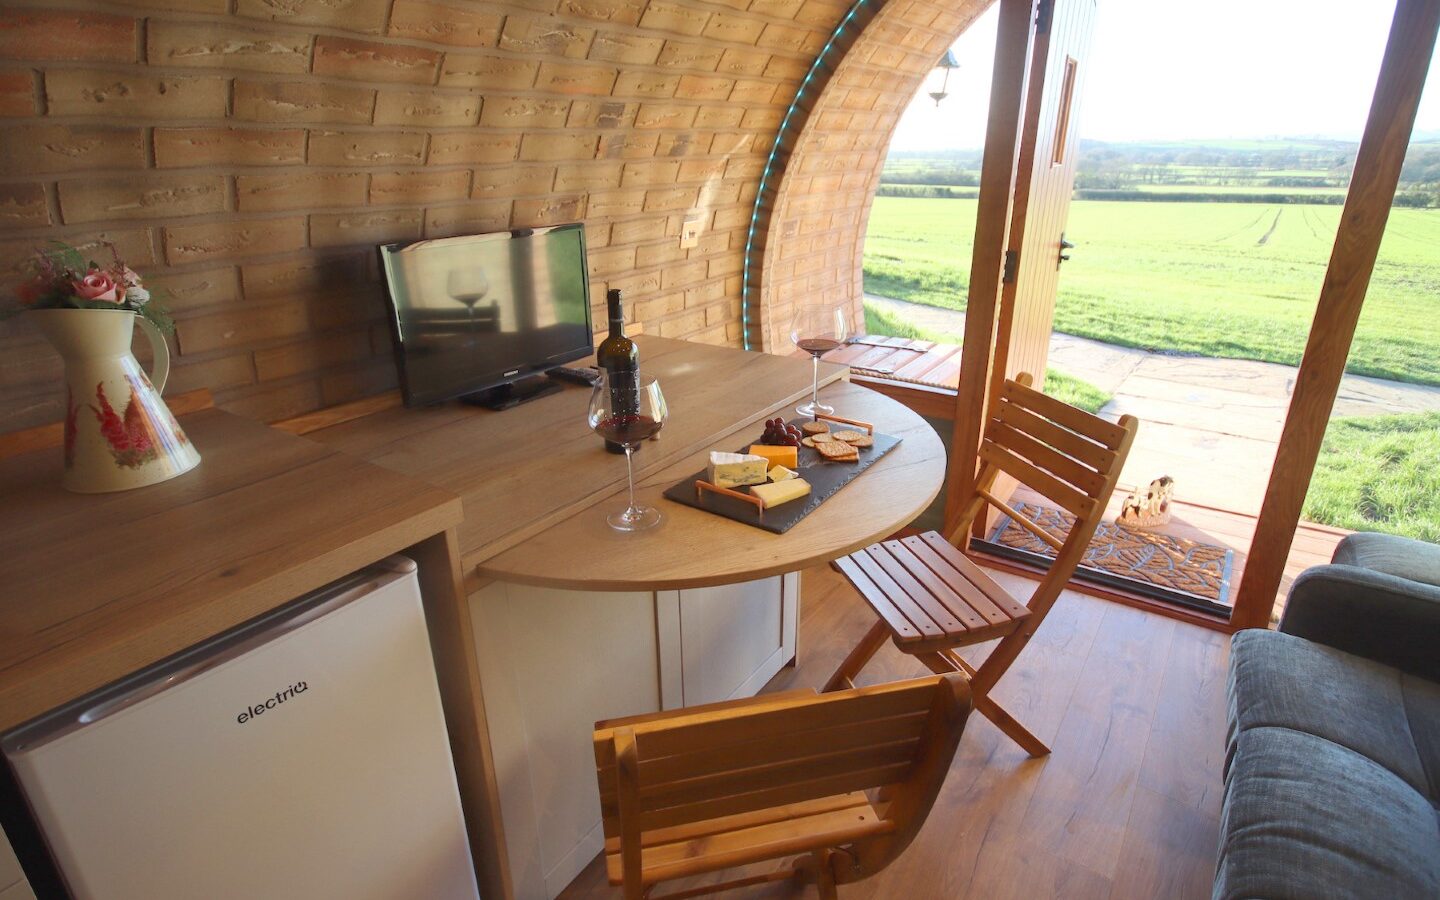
point(817, 329)
point(468, 286)
point(628, 408)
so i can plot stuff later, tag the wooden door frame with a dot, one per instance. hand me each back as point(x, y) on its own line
point(1015, 62)
point(1352, 260)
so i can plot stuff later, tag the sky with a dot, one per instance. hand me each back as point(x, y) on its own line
point(1170, 70)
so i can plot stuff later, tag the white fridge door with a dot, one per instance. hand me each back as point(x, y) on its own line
point(313, 764)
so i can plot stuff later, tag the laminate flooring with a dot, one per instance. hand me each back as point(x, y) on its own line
point(1132, 705)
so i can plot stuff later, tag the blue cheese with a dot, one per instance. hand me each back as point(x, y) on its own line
point(732, 470)
point(780, 473)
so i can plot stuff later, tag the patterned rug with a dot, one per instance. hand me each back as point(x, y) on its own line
point(1187, 567)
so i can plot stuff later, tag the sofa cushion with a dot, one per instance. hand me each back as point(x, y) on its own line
point(1307, 818)
point(1331, 771)
point(1391, 554)
point(1282, 681)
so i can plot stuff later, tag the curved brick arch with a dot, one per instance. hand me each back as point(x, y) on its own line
point(809, 232)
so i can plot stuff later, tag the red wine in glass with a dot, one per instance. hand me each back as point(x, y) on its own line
point(817, 346)
point(627, 429)
point(817, 329)
point(629, 417)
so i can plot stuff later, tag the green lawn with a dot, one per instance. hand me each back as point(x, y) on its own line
point(1212, 279)
point(1380, 474)
point(1071, 390)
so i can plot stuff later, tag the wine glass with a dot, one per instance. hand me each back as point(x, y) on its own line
point(468, 286)
point(628, 408)
point(817, 329)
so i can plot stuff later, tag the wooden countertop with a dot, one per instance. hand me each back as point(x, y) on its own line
point(531, 477)
point(693, 548)
point(526, 469)
point(99, 585)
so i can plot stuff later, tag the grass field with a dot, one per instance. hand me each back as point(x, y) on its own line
point(1214, 279)
point(1380, 474)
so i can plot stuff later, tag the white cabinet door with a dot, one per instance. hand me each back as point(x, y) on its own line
point(735, 637)
point(552, 662)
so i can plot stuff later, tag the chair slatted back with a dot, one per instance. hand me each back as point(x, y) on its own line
point(1069, 456)
point(733, 758)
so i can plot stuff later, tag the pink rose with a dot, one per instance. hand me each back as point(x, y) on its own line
point(96, 286)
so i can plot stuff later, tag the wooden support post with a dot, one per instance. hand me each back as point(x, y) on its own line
point(452, 641)
point(1020, 207)
point(1357, 242)
point(992, 229)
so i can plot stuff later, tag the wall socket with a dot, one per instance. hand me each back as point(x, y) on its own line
point(690, 232)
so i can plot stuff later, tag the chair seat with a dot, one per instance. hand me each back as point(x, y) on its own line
point(750, 837)
point(930, 595)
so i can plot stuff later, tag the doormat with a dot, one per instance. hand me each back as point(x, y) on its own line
point(1188, 568)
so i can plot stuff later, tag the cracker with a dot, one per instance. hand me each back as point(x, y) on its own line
point(813, 428)
point(848, 436)
point(863, 440)
point(837, 451)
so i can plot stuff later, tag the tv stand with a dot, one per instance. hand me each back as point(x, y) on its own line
point(512, 393)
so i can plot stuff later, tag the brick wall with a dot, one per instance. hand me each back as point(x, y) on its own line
point(815, 234)
point(247, 155)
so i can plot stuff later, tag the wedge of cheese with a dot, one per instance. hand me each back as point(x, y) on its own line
point(732, 470)
point(778, 492)
point(789, 457)
point(780, 473)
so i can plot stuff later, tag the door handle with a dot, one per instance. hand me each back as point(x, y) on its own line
point(1064, 245)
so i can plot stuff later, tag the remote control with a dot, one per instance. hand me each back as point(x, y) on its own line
point(587, 376)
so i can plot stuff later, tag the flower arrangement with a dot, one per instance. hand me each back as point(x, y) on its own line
point(64, 279)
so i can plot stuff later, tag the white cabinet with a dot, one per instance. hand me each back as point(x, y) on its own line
point(554, 661)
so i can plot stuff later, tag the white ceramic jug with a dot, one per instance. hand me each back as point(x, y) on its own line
point(118, 432)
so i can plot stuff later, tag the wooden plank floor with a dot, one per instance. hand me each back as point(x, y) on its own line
point(1127, 805)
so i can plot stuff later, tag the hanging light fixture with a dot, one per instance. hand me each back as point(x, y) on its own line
point(946, 63)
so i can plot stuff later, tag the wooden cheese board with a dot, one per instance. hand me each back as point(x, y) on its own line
point(825, 478)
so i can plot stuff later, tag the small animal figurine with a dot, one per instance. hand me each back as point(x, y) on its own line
point(1150, 508)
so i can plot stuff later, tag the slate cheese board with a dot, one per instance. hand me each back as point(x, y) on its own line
point(826, 478)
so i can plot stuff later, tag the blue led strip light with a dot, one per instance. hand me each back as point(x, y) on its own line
point(780, 136)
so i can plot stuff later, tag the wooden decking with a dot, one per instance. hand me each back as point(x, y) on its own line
point(901, 359)
point(1127, 805)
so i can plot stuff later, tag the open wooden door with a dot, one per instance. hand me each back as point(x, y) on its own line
point(1046, 178)
point(1025, 185)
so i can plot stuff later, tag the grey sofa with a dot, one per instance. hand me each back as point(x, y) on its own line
point(1332, 768)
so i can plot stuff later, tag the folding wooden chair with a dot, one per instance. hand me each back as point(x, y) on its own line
point(932, 599)
point(712, 787)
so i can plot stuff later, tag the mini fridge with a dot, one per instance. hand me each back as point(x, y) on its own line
point(302, 755)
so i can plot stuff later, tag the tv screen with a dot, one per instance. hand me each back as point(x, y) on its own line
point(475, 312)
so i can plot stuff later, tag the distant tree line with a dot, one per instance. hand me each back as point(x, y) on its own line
point(1264, 171)
point(925, 190)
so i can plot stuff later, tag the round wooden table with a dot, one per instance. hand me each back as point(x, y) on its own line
point(693, 548)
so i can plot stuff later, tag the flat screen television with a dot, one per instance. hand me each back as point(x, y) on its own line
point(478, 316)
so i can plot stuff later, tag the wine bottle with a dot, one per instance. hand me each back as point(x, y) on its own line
point(620, 359)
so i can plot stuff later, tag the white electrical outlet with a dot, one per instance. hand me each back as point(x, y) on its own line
point(690, 233)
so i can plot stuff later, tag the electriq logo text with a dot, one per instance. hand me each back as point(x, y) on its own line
point(280, 697)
